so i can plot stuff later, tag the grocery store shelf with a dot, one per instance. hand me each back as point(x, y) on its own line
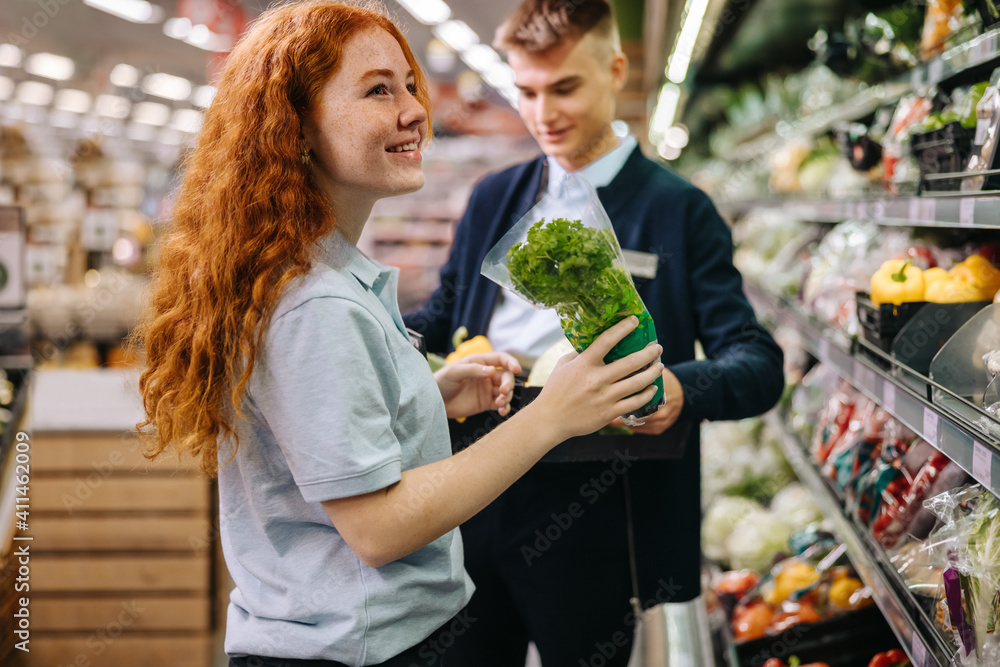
point(979, 51)
point(951, 424)
point(945, 209)
point(913, 628)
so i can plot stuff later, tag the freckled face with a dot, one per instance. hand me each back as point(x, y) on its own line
point(368, 127)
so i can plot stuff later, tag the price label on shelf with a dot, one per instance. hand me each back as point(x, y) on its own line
point(914, 208)
point(824, 350)
point(982, 464)
point(861, 210)
point(930, 426)
point(935, 71)
point(967, 212)
point(918, 652)
point(928, 209)
point(878, 210)
point(889, 396)
point(984, 49)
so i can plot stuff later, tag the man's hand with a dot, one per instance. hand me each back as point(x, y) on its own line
point(477, 383)
point(664, 418)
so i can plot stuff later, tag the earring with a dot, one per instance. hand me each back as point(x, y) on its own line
point(306, 157)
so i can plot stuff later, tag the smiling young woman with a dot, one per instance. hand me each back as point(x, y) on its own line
point(276, 355)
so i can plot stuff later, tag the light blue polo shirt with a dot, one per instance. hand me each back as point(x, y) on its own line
point(339, 404)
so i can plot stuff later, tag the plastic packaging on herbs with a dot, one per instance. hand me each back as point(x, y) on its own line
point(966, 544)
point(573, 263)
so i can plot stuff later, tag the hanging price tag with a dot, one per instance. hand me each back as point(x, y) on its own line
point(982, 464)
point(928, 209)
point(967, 212)
point(889, 396)
point(930, 426)
point(918, 652)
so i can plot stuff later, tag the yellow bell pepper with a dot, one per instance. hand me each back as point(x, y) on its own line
point(933, 275)
point(463, 347)
point(953, 290)
point(897, 281)
point(981, 274)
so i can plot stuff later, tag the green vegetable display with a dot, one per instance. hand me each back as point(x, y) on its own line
point(564, 264)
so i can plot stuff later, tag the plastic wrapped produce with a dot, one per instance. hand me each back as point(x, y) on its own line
point(575, 265)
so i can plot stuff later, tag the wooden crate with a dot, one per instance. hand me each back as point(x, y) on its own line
point(122, 557)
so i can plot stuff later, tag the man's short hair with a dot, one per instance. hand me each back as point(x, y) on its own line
point(538, 26)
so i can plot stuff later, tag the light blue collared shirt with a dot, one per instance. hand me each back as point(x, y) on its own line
point(339, 404)
point(517, 326)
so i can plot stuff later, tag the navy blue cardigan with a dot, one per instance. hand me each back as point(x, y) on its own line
point(697, 293)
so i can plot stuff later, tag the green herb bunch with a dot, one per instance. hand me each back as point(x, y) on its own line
point(573, 268)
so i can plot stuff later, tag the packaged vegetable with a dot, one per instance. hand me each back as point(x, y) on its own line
point(720, 521)
point(795, 506)
point(967, 544)
point(942, 19)
point(987, 136)
point(575, 265)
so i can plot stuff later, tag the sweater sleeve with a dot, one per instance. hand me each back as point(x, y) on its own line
point(743, 373)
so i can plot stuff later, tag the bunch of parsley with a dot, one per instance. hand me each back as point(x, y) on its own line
point(573, 268)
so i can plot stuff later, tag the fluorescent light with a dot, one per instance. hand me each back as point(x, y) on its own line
point(429, 12)
point(666, 108)
point(50, 66)
point(668, 152)
point(10, 55)
point(6, 88)
point(480, 57)
point(456, 34)
point(136, 11)
point(512, 95)
point(677, 137)
point(34, 92)
point(680, 60)
point(187, 120)
point(200, 36)
point(76, 101)
point(499, 75)
point(203, 96)
point(178, 28)
point(124, 75)
point(151, 113)
point(167, 86)
point(112, 106)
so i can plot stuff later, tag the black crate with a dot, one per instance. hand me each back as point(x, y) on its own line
point(880, 324)
point(943, 151)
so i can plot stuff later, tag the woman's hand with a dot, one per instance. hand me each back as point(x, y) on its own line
point(477, 383)
point(583, 393)
point(665, 417)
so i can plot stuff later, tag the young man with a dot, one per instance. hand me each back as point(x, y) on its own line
point(553, 559)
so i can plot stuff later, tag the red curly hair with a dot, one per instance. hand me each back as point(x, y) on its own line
point(245, 222)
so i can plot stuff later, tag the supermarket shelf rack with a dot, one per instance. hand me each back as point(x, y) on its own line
point(914, 629)
point(982, 50)
point(954, 432)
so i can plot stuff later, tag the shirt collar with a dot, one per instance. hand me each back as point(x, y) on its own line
point(598, 173)
point(336, 251)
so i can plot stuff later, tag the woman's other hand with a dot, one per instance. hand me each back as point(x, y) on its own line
point(477, 383)
point(583, 393)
